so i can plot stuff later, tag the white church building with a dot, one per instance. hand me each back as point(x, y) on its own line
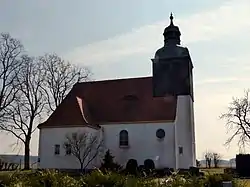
point(146, 118)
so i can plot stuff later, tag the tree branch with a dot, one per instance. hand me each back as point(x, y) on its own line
point(85, 147)
point(60, 78)
point(237, 120)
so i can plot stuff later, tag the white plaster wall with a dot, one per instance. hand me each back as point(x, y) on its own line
point(193, 134)
point(143, 143)
point(51, 136)
point(184, 133)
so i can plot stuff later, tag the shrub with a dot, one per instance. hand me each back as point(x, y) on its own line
point(141, 168)
point(108, 162)
point(231, 171)
point(4, 179)
point(56, 179)
point(216, 180)
point(194, 171)
point(39, 179)
point(97, 178)
point(50, 178)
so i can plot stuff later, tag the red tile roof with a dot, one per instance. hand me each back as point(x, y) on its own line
point(112, 101)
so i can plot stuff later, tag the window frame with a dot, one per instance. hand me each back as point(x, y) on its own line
point(74, 135)
point(180, 149)
point(123, 138)
point(68, 149)
point(57, 149)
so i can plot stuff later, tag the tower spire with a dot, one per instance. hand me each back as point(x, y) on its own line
point(172, 33)
point(171, 19)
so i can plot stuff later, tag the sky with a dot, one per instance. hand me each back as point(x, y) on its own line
point(117, 39)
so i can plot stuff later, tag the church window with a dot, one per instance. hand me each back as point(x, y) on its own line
point(74, 136)
point(57, 149)
point(160, 133)
point(180, 150)
point(123, 138)
point(68, 149)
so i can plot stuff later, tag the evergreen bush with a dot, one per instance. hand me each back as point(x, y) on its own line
point(108, 162)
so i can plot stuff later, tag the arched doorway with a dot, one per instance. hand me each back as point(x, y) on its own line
point(132, 166)
point(149, 164)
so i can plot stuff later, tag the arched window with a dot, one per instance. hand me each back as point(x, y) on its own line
point(124, 138)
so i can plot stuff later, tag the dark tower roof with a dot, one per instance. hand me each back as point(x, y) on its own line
point(172, 33)
point(172, 47)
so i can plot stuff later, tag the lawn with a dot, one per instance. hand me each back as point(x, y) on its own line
point(212, 170)
point(11, 172)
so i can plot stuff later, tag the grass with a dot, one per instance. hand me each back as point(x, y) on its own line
point(212, 170)
point(11, 172)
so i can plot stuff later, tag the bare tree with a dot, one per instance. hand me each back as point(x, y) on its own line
point(28, 86)
point(84, 146)
point(238, 120)
point(60, 78)
point(10, 52)
point(208, 157)
point(216, 159)
point(28, 106)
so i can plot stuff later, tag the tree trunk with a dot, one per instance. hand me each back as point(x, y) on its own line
point(81, 167)
point(27, 155)
point(216, 164)
point(209, 164)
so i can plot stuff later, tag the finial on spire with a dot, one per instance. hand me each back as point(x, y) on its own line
point(171, 18)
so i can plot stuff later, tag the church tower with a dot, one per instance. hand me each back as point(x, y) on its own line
point(172, 76)
point(172, 66)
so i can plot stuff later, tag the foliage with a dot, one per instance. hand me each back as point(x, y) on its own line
point(110, 179)
point(39, 179)
point(216, 179)
point(97, 178)
point(108, 162)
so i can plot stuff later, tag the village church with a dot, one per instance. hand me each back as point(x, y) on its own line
point(145, 119)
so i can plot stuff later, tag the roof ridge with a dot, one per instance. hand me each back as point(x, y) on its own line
point(114, 80)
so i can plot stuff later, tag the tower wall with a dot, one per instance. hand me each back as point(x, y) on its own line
point(184, 133)
point(172, 75)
